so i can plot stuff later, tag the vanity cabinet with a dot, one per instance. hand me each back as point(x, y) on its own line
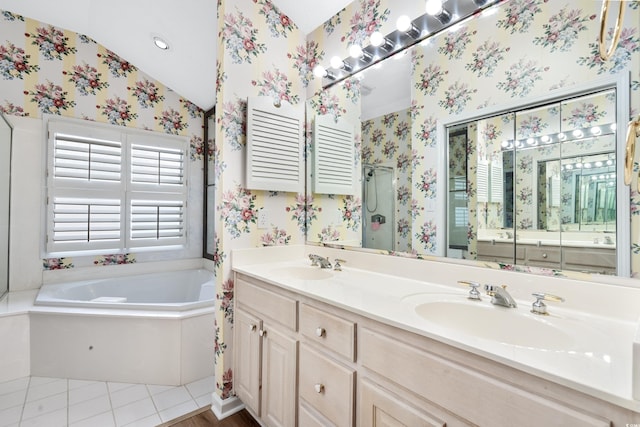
point(502, 252)
point(321, 365)
point(266, 353)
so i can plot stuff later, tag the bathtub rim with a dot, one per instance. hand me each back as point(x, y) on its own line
point(43, 298)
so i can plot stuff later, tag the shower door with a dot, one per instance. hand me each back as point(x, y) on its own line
point(378, 189)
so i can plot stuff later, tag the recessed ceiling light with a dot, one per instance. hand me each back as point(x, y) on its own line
point(160, 43)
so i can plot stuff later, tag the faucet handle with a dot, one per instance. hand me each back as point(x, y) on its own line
point(337, 265)
point(474, 294)
point(314, 260)
point(539, 307)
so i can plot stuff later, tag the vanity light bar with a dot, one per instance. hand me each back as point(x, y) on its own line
point(417, 31)
point(575, 135)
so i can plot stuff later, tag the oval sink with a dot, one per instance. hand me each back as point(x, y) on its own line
point(500, 324)
point(303, 273)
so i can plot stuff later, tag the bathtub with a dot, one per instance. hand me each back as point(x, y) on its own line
point(176, 290)
point(154, 328)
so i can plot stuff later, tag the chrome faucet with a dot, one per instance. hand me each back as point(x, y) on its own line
point(500, 296)
point(323, 262)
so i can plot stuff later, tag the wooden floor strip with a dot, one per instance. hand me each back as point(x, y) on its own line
point(205, 418)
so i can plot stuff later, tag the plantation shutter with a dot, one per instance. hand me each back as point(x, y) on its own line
point(158, 200)
point(113, 190)
point(333, 153)
point(275, 158)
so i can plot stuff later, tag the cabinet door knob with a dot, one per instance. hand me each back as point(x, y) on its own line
point(320, 332)
point(252, 328)
point(319, 388)
point(262, 333)
point(544, 255)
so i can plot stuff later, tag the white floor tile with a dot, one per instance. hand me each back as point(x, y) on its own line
point(102, 420)
point(87, 392)
point(170, 398)
point(49, 404)
point(178, 411)
point(89, 408)
point(73, 384)
point(203, 400)
point(200, 387)
point(42, 380)
point(14, 385)
point(53, 419)
point(155, 389)
point(12, 399)
point(134, 412)
point(51, 388)
point(129, 395)
point(118, 386)
point(150, 421)
point(10, 416)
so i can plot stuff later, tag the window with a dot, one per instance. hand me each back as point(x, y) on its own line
point(113, 189)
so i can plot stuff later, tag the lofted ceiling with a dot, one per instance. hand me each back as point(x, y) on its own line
point(127, 28)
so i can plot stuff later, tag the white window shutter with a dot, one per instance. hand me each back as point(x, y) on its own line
point(155, 221)
point(482, 189)
point(333, 153)
point(497, 182)
point(275, 158)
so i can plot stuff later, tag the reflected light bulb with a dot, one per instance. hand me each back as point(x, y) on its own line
point(355, 51)
point(336, 62)
point(376, 38)
point(319, 71)
point(403, 23)
point(577, 133)
point(433, 7)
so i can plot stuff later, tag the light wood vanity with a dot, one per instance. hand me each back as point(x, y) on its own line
point(302, 362)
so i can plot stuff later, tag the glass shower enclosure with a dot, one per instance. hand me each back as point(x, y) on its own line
point(378, 188)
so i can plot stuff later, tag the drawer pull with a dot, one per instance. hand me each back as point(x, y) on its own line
point(544, 255)
point(320, 332)
point(262, 333)
point(252, 328)
point(319, 388)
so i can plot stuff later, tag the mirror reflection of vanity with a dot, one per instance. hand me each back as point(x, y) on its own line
point(536, 186)
point(558, 216)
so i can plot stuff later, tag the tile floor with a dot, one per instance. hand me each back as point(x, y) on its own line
point(57, 402)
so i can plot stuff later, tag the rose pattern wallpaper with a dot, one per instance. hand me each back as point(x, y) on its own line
point(262, 52)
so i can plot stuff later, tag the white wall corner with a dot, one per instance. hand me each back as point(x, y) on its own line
point(224, 408)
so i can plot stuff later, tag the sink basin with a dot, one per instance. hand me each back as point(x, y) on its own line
point(302, 273)
point(509, 326)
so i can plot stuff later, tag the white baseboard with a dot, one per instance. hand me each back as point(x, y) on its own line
point(224, 408)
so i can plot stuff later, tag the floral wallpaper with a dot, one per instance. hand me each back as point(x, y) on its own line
point(386, 141)
point(261, 52)
point(49, 70)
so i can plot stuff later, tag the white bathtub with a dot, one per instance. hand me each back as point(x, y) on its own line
point(176, 290)
point(154, 328)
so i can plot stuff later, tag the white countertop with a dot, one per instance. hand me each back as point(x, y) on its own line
point(598, 362)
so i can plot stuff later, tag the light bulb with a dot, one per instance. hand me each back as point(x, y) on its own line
point(598, 164)
point(596, 130)
point(433, 7)
point(376, 38)
point(355, 51)
point(578, 133)
point(403, 23)
point(319, 71)
point(336, 62)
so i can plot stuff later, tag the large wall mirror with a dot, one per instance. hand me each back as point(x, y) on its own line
point(5, 199)
point(457, 165)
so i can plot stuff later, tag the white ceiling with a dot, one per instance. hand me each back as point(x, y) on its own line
point(126, 27)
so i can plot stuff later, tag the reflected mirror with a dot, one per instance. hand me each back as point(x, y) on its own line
point(5, 196)
point(537, 187)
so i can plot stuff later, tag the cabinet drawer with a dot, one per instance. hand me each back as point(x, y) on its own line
point(328, 330)
point(542, 254)
point(591, 258)
point(327, 386)
point(258, 300)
